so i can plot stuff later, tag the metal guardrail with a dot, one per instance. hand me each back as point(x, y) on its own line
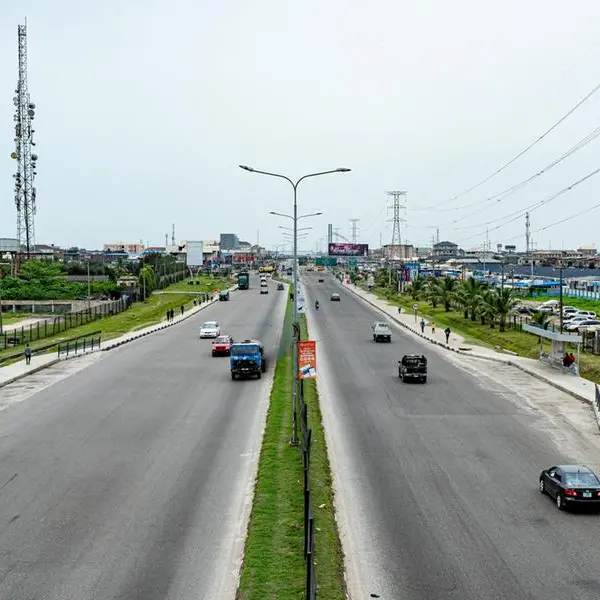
point(309, 520)
point(82, 343)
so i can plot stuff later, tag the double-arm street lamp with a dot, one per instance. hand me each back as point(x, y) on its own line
point(295, 218)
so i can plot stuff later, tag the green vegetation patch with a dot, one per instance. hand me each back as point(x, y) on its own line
point(514, 340)
point(274, 567)
point(204, 283)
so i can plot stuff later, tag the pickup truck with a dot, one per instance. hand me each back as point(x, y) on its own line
point(381, 332)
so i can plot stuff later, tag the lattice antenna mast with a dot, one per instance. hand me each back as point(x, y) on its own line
point(399, 208)
point(354, 226)
point(25, 191)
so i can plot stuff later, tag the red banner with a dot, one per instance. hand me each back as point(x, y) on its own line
point(307, 359)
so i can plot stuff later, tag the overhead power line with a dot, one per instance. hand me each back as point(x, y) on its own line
point(522, 152)
point(520, 213)
point(506, 193)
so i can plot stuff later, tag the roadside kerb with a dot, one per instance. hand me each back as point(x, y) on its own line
point(115, 343)
point(496, 359)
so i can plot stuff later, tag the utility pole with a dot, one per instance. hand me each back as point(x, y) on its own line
point(173, 235)
point(561, 296)
point(89, 288)
point(354, 224)
point(528, 242)
point(25, 191)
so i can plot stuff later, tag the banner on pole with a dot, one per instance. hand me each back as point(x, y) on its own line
point(307, 359)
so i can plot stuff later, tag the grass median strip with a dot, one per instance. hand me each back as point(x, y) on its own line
point(274, 567)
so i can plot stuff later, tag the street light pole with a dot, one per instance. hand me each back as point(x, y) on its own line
point(296, 326)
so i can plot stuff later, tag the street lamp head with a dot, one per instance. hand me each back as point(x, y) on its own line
point(246, 168)
point(343, 170)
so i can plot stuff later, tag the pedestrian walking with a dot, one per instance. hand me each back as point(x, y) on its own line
point(182, 309)
point(447, 332)
point(433, 328)
point(27, 355)
point(172, 311)
point(168, 315)
point(422, 325)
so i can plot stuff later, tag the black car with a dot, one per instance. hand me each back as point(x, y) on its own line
point(280, 287)
point(321, 280)
point(223, 295)
point(571, 485)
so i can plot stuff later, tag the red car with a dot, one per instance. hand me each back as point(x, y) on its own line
point(222, 345)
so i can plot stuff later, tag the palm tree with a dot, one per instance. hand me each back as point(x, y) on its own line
point(504, 302)
point(487, 307)
point(540, 318)
point(447, 291)
point(470, 294)
point(417, 288)
point(432, 291)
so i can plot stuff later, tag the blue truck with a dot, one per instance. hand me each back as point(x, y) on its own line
point(247, 359)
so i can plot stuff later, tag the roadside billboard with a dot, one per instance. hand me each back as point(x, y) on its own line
point(307, 359)
point(348, 249)
point(194, 254)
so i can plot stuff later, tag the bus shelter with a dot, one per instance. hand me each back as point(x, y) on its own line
point(558, 345)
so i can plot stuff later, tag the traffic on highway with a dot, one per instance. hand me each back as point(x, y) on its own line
point(438, 484)
point(132, 477)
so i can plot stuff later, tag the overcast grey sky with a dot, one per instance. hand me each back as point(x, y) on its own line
point(146, 107)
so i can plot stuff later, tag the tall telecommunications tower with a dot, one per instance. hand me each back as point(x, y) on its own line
point(354, 224)
point(25, 192)
point(398, 206)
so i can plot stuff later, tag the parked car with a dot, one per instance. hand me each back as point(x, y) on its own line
point(222, 345)
point(570, 485)
point(583, 325)
point(573, 324)
point(210, 329)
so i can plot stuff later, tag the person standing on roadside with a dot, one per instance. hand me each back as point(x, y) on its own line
point(27, 354)
point(447, 332)
point(433, 328)
point(422, 325)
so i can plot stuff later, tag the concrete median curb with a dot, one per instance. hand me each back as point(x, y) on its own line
point(499, 360)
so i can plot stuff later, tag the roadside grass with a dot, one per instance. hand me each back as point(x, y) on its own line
point(523, 343)
point(140, 315)
point(208, 283)
point(274, 567)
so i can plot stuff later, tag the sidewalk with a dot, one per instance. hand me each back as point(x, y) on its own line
point(19, 369)
point(578, 387)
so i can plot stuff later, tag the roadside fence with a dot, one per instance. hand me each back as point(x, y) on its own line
point(80, 344)
point(309, 521)
point(52, 326)
point(56, 345)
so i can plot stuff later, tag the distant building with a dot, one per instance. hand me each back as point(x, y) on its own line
point(399, 251)
point(587, 250)
point(229, 241)
point(445, 250)
point(124, 247)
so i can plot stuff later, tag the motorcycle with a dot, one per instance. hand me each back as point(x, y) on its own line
point(317, 305)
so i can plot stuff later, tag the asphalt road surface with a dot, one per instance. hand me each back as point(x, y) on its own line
point(438, 481)
point(130, 479)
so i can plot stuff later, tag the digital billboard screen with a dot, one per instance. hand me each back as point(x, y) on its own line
point(348, 249)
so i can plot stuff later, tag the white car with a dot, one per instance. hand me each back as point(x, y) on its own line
point(210, 329)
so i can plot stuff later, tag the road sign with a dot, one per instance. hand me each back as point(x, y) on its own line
point(415, 306)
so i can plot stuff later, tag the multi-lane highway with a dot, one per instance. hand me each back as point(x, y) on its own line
point(438, 482)
point(131, 478)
